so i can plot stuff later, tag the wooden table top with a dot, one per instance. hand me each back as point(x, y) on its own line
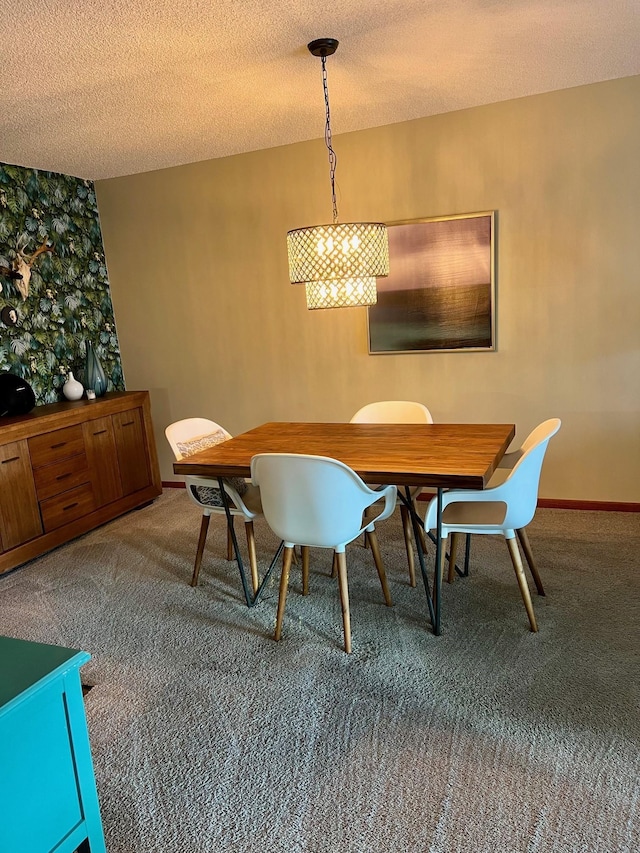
point(449, 455)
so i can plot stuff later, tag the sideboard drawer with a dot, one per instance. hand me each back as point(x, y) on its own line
point(66, 507)
point(53, 446)
point(61, 476)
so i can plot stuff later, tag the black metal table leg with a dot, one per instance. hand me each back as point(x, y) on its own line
point(467, 554)
point(245, 586)
point(251, 600)
point(464, 573)
point(263, 582)
point(416, 535)
point(437, 580)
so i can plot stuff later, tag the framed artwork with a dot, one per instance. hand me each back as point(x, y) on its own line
point(439, 295)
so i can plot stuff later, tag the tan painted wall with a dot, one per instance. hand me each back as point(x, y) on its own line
point(209, 323)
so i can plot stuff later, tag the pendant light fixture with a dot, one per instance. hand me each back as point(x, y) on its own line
point(337, 263)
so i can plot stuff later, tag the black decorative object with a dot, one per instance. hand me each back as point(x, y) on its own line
point(9, 315)
point(9, 272)
point(16, 395)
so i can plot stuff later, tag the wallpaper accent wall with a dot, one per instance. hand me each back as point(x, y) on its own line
point(68, 301)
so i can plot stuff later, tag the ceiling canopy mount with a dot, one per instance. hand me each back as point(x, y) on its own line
point(323, 47)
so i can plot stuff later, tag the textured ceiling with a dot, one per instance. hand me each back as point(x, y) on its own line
point(99, 88)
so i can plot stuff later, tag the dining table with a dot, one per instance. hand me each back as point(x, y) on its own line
point(436, 456)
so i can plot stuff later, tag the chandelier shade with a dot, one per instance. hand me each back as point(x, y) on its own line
point(341, 293)
point(341, 250)
point(338, 263)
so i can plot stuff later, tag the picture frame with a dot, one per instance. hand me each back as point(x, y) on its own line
point(439, 295)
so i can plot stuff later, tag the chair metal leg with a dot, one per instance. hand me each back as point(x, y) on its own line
point(528, 553)
point(522, 582)
point(344, 600)
point(305, 569)
point(253, 559)
point(230, 540)
point(284, 585)
point(375, 550)
point(204, 527)
point(408, 543)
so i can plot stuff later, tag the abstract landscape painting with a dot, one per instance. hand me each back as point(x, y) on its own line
point(440, 292)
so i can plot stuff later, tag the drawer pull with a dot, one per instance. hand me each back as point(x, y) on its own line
point(63, 476)
point(59, 444)
point(128, 423)
point(13, 459)
point(71, 506)
point(100, 432)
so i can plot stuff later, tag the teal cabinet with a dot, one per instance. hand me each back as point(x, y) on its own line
point(48, 798)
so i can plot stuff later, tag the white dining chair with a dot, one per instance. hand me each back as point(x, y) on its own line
point(500, 509)
point(398, 412)
point(393, 412)
point(505, 466)
point(318, 502)
point(189, 436)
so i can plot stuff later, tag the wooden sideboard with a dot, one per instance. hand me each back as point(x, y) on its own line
point(66, 468)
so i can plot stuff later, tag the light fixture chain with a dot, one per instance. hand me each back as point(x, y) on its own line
point(333, 160)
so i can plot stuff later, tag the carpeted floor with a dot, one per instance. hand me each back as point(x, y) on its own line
point(209, 736)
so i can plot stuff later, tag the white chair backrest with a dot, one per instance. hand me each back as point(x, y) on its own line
point(393, 412)
point(310, 500)
point(546, 429)
point(190, 429)
point(521, 486)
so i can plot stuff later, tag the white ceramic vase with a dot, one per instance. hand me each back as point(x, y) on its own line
point(72, 389)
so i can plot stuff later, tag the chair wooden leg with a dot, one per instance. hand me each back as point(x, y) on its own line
point(528, 553)
point(204, 527)
point(294, 557)
point(334, 567)
point(344, 600)
point(253, 559)
point(284, 585)
point(375, 550)
point(365, 539)
point(522, 582)
point(408, 543)
point(423, 538)
point(230, 554)
point(453, 552)
point(305, 569)
point(443, 552)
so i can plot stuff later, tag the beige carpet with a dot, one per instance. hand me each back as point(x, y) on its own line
point(209, 736)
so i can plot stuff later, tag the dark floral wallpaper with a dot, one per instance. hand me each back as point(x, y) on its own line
point(63, 299)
